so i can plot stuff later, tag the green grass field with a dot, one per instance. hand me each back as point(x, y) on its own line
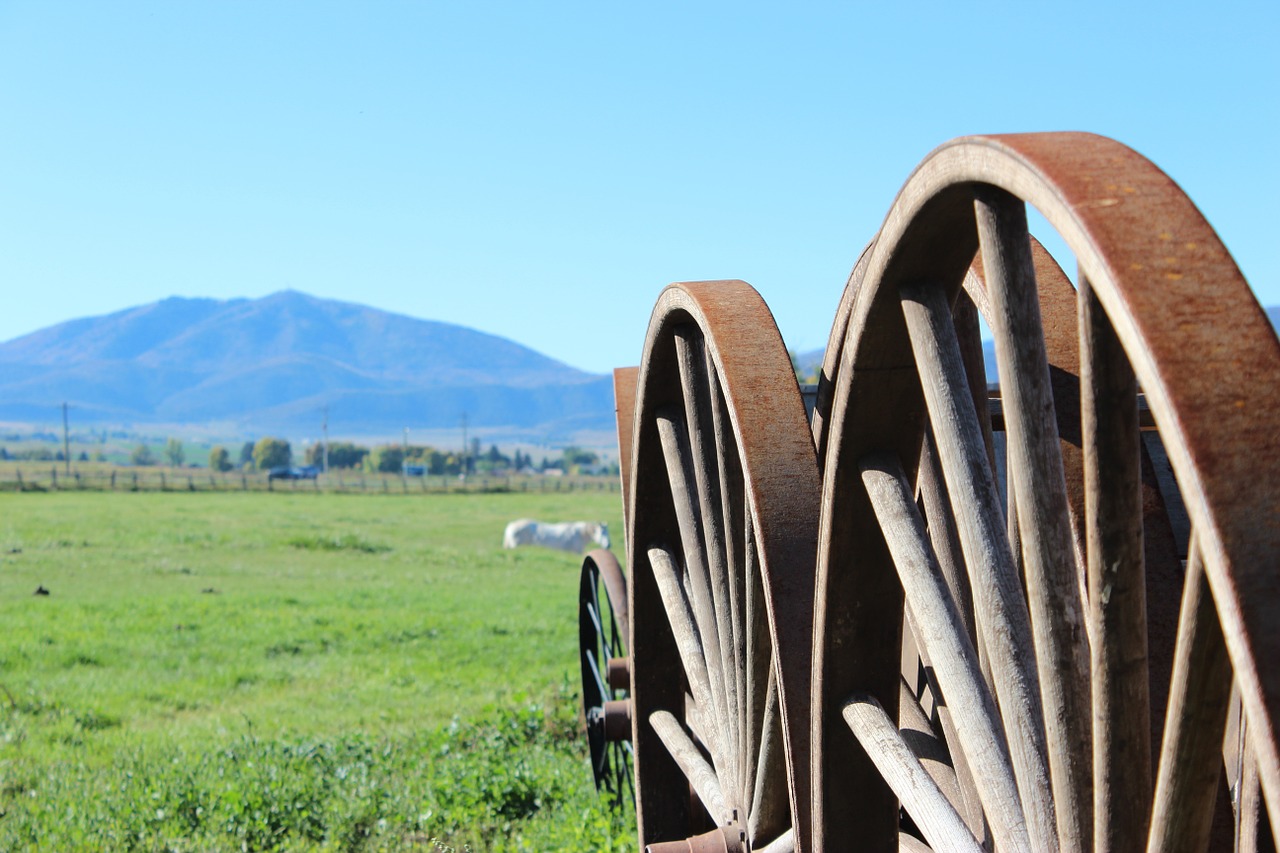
point(293, 672)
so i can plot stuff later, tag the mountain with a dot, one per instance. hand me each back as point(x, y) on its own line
point(276, 362)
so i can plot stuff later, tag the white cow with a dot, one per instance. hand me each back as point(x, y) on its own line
point(571, 536)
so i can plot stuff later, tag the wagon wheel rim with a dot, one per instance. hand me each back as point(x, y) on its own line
point(723, 530)
point(602, 629)
point(1149, 266)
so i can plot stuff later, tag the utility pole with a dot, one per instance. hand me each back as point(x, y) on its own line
point(66, 441)
point(466, 448)
point(324, 448)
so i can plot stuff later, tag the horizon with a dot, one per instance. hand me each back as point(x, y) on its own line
point(531, 171)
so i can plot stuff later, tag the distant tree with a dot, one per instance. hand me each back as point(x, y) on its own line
point(246, 455)
point(83, 457)
point(174, 452)
point(575, 458)
point(219, 459)
point(349, 455)
point(271, 452)
point(342, 454)
point(142, 455)
point(387, 459)
point(438, 462)
point(58, 456)
point(4, 454)
point(803, 376)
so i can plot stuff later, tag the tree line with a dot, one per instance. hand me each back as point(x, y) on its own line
point(272, 452)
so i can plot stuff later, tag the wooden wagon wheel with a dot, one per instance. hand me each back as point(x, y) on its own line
point(602, 629)
point(1042, 685)
point(722, 537)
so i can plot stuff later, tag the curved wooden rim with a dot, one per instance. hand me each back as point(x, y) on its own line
point(780, 477)
point(615, 586)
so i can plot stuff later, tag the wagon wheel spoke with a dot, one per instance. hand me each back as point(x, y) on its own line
point(699, 406)
point(1117, 580)
point(933, 813)
point(705, 474)
point(1191, 756)
point(769, 815)
point(949, 770)
point(993, 576)
point(761, 684)
point(1044, 527)
point(692, 652)
point(733, 514)
point(942, 633)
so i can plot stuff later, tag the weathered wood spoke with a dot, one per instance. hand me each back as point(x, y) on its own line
point(1117, 582)
point(695, 383)
point(1191, 756)
point(937, 818)
point(997, 588)
point(703, 779)
point(942, 633)
point(1038, 492)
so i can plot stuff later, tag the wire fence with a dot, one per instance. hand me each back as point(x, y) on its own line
point(34, 478)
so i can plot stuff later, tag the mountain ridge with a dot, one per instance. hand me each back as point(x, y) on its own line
point(269, 362)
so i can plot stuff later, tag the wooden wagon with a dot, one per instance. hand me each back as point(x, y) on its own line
point(937, 613)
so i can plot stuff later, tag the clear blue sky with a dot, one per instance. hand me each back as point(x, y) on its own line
point(541, 170)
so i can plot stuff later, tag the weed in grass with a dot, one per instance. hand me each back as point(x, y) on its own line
point(487, 784)
point(342, 542)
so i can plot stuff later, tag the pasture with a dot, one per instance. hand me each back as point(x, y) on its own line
point(231, 671)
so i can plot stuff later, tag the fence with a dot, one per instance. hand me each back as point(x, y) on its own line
point(30, 478)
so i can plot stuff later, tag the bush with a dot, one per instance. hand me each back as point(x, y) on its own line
point(142, 455)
